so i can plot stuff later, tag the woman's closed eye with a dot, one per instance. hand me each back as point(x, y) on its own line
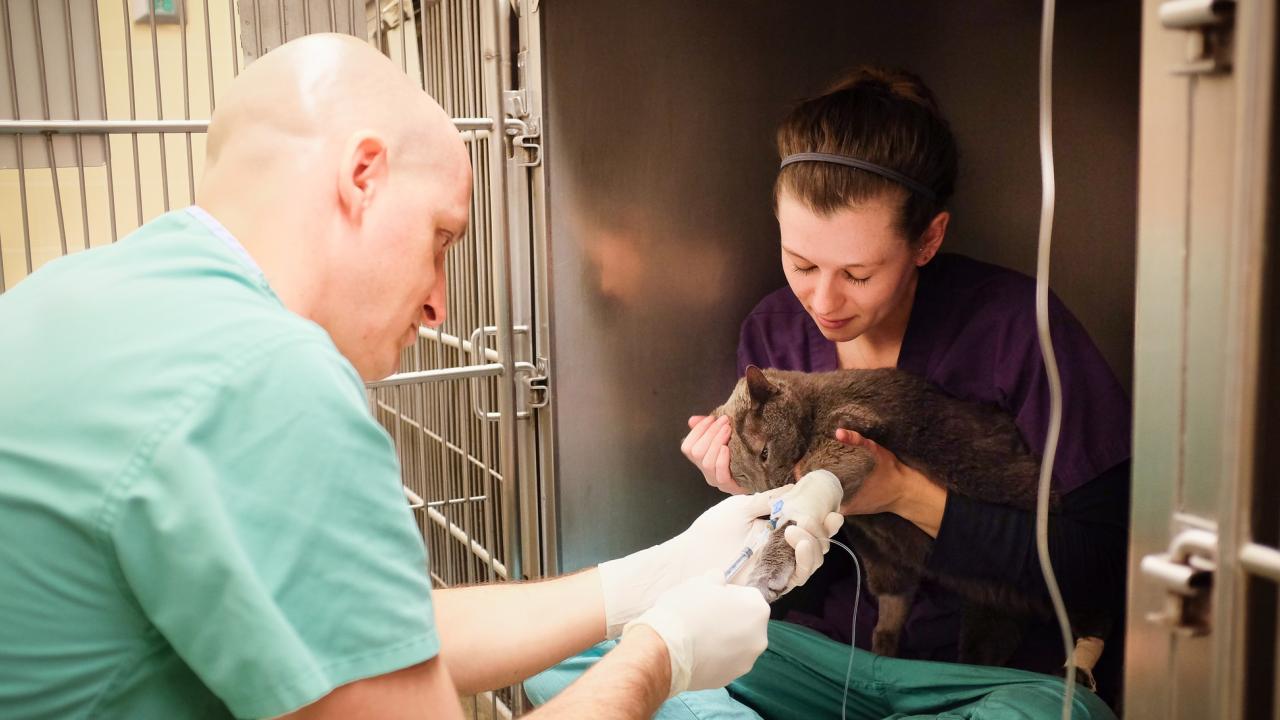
point(847, 275)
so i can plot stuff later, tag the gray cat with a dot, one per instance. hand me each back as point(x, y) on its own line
point(783, 427)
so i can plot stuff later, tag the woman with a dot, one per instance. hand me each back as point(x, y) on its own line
point(866, 172)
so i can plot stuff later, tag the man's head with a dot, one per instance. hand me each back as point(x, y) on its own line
point(346, 183)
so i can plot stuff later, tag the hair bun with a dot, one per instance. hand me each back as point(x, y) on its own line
point(883, 116)
point(892, 81)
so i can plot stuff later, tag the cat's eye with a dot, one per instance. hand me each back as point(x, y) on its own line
point(764, 454)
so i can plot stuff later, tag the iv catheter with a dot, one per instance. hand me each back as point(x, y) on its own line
point(816, 494)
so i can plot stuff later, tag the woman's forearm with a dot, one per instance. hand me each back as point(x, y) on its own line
point(923, 503)
point(1088, 541)
point(496, 635)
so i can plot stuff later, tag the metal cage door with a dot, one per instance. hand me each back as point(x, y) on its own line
point(1202, 638)
point(463, 407)
point(466, 407)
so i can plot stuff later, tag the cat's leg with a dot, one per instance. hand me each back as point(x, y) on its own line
point(772, 571)
point(893, 553)
point(850, 465)
point(894, 610)
point(894, 586)
point(989, 636)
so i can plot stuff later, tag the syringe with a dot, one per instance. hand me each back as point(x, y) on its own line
point(753, 546)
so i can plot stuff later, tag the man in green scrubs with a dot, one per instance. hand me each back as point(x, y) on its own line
point(199, 517)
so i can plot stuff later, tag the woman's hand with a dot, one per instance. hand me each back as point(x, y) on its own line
point(707, 446)
point(894, 487)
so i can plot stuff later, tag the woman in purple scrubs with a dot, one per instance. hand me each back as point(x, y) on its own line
point(861, 198)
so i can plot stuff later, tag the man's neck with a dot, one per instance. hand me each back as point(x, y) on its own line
point(262, 228)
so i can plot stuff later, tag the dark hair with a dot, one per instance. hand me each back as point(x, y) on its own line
point(879, 115)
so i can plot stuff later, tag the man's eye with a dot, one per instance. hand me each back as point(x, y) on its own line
point(764, 454)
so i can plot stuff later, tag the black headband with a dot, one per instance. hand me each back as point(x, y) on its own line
point(870, 167)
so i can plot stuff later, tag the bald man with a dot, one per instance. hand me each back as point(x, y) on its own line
point(199, 517)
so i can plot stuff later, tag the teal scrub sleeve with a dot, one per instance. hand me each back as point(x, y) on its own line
point(266, 537)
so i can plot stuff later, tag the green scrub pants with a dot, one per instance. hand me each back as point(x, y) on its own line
point(802, 674)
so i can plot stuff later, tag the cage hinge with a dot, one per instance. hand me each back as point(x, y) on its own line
point(523, 128)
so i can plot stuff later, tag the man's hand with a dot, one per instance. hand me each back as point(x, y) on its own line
point(713, 632)
point(707, 447)
point(632, 584)
point(894, 487)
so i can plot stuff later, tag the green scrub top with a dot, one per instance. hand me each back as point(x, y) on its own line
point(198, 515)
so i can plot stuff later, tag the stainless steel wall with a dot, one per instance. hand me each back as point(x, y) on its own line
point(659, 159)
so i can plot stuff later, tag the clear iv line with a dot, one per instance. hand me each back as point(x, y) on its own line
point(853, 632)
point(1046, 347)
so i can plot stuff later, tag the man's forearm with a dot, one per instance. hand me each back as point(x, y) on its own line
point(630, 682)
point(492, 636)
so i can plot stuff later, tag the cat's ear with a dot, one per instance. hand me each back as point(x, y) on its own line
point(762, 391)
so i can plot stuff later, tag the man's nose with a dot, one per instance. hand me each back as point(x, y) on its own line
point(434, 311)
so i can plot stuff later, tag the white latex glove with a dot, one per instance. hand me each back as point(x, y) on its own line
point(714, 632)
point(633, 583)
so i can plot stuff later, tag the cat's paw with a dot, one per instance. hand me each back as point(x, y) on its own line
point(772, 574)
point(885, 642)
point(1084, 677)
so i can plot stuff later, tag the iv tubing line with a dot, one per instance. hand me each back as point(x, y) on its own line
point(1046, 348)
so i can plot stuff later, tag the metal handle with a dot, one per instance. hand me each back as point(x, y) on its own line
point(475, 346)
point(1261, 560)
point(530, 375)
point(1194, 14)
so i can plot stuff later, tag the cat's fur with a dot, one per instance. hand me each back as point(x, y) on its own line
point(783, 427)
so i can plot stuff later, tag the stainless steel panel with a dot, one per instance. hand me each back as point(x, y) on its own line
point(659, 162)
point(1209, 184)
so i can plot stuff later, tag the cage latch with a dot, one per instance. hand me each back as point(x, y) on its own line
point(1208, 24)
point(522, 128)
point(1185, 573)
point(536, 384)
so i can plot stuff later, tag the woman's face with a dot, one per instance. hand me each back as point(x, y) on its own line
point(852, 269)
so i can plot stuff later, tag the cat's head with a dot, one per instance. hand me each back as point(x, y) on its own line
point(771, 427)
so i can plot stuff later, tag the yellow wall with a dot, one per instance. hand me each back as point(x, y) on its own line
point(42, 214)
point(140, 195)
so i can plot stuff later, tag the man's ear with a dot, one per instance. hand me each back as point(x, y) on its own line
point(362, 173)
point(932, 238)
point(761, 390)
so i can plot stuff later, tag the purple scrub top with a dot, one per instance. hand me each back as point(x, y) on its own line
point(972, 332)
